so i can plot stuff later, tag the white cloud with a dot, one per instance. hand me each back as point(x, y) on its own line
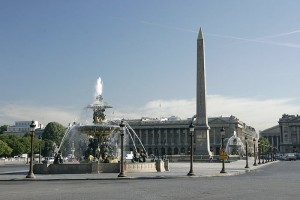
point(260, 114)
point(24, 112)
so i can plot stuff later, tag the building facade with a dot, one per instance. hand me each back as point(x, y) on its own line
point(286, 135)
point(20, 128)
point(172, 137)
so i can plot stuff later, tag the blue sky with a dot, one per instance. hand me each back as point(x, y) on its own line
point(52, 52)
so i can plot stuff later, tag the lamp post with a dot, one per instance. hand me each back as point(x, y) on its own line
point(254, 146)
point(262, 152)
point(271, 154)
point(40, 144)
point(259, 151)
point(267, 154)
point(30, 173)
point(247, 166)
point(122, 130)
point(222, 149)
point(191, 172)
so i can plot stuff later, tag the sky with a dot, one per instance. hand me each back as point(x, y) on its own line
point(53, 52)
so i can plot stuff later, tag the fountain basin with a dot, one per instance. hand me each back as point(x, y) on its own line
point(95, 167)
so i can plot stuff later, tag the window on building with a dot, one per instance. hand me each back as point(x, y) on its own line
point(286, 138)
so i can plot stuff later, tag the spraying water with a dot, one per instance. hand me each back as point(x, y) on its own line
point(98, 87)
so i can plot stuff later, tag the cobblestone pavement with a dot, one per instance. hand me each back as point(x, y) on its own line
point(176, 170)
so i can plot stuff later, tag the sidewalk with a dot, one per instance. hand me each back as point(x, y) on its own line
point(177, 170)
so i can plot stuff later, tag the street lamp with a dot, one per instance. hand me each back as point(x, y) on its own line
point(247, 166)
point(259, 151)
point(223, 150)
point(40, 144)
point(122, 130)
point(274, 153)
point(271, 154)
point(254, 143)
point(30, 173)
point(191, 172)
point(267, 153)
point(262, 152)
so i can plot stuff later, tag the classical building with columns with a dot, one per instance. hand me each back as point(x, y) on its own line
point(286, 135)
point(172, 137)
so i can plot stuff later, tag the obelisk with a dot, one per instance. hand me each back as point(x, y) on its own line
point(201, 124)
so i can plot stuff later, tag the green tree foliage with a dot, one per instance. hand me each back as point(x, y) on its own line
point(3, 129)
point(264, 142)
point(47, 148)
point(5, 150)
point(53, 133)
point(26, 141)
point(13, 142)
point(20, 145)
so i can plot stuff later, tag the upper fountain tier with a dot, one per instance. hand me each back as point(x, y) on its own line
point(99, 107)
point(100, 125)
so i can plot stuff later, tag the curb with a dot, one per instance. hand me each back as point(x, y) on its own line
point(234, 172)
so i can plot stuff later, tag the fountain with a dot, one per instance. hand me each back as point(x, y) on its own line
point(235, 146)
point(103, 134)
point(101, 139)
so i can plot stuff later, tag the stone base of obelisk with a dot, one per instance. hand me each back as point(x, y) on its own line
point(202, 146)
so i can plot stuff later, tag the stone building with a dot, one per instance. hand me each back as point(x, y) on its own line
point(172, 137)
point(286, 135)
point(20, 128)
point(231, 124)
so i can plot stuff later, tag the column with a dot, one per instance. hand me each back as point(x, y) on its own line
point(179, 136)
point(159, 137)
point(166, 136)
point(172, 137)
point(185, 136)
point(214, 130)
point(153, 139)
point(298, 137)
point(146, 133)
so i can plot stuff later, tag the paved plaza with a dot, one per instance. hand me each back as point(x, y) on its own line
point(177, 170)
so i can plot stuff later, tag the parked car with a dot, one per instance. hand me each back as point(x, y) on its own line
point(289, 156)
point(297, 156)
point(48, 160)
point(129, 156)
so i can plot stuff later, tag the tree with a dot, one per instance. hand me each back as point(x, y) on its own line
point(26, 141)
point(53, 133)
point(265, 143)
point(5, 150)
point(13, 142)
point(3, 129)
point(20, 145)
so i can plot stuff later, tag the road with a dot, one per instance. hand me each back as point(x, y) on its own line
point(277, 181)
point(12, 168)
